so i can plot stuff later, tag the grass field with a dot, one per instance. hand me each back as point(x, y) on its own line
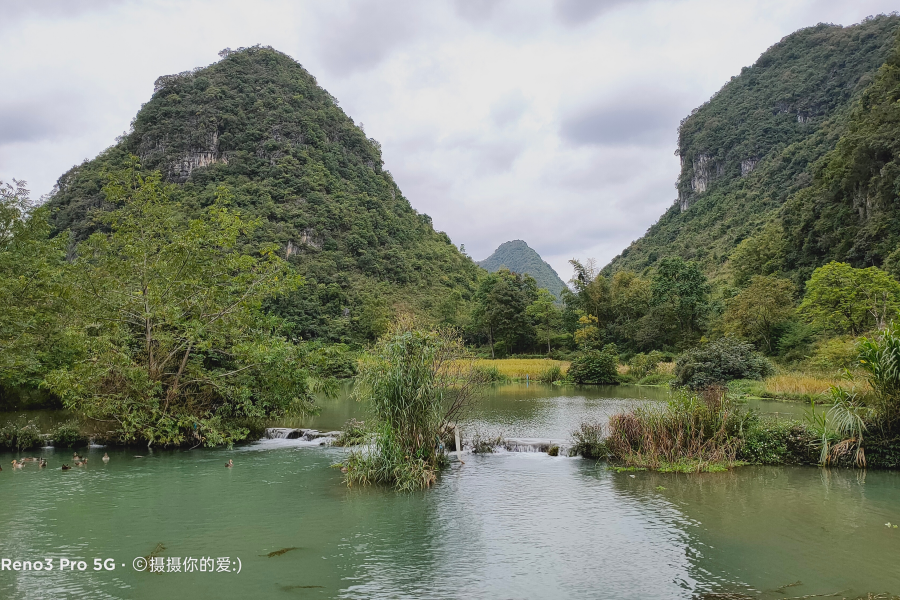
point(518, 368)
point(797, 385)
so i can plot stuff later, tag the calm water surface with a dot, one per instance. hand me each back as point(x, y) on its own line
point(536, 410)
point(499, 526)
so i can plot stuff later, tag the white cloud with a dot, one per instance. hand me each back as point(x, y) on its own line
point(551, 121)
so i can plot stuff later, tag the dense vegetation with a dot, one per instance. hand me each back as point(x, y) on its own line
point(757, 145)
point(257, 123)
point(518, 257)
point(711, 430)
point(152, 329)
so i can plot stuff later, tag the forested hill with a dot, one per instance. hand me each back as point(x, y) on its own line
point(257, 123)
point(519, 257)
point(751, 155)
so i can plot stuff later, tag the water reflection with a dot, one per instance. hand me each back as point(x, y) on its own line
point(757, 530)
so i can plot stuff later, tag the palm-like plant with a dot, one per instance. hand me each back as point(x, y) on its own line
point(848, 416)
point(880, 357)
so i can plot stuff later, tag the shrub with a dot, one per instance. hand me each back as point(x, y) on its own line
point(489, 374)
point(656, 379)
point(551, 374)
point(20, 435)
point(718, 362)
point(835, 354)
point(641, 365)
point(596, 366)
point(67, 434)
point(553, 450)
point(588, 441)
point(770, 442)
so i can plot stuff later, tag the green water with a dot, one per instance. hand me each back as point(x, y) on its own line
point(535, 410)
point(510, 525)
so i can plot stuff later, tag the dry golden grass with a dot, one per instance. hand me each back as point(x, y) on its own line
point(666, 367)
point(802, 384)
point(518, 368)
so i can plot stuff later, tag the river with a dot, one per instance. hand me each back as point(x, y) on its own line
point(504, 525)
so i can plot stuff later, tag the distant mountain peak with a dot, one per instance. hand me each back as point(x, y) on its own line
point(519, 257)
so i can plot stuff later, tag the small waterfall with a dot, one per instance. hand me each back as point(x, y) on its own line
point(531, 444)
point(505, 444)
point(288, 433)
point(524, 445)
point(283, 433)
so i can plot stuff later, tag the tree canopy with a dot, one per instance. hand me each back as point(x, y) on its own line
point(173, 347)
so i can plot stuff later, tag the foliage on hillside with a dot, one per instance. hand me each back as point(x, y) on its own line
point(257, 123)
point(755, 143)
point(852, 211)
point(519, 257)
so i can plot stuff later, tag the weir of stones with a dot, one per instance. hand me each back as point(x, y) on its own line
point(512, 444)
point(289, 433)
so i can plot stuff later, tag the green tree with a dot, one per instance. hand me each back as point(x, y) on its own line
point(842, 299)
point(631, 298)
point(757, 311)
point(175, 348)
point(500, 309)
point(596, 366)
point(760, 254)
point(680, 293)
point(592, 294)
point(32, 338)
point(544, 311)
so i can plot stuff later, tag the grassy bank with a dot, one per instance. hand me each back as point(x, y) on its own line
point(792, 385)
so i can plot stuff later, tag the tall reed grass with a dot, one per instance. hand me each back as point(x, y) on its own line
point(693, 432)
point(417, 384)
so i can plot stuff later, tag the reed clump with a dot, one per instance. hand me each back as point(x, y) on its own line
point(417, 382)
point(490, 373)
point(588, 441)
point(694, 431)
point(485, 444)
point(551, 374)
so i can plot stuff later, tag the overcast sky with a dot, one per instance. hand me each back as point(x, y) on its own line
point(549, 121)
